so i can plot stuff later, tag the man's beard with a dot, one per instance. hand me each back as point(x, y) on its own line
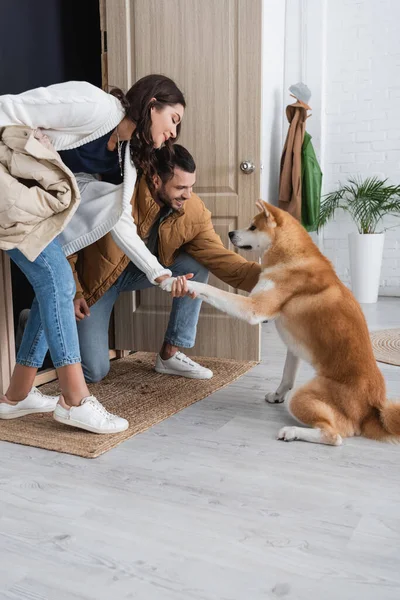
point(162, 197)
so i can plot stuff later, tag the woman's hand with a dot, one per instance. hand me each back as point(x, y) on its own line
point(81, 309)
point(43, 139)
point(162, 278)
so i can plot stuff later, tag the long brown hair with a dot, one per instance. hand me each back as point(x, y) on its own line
point(138, 102)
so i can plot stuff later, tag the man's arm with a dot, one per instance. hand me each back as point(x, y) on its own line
point(81, 308)
point(73, 260)
point(208, 249)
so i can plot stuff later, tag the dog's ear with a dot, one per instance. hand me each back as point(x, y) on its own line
point(263, 207)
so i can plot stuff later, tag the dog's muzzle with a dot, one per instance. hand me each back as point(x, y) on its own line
point(235, 239)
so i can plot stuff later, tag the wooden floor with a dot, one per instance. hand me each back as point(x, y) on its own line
point(208, 505)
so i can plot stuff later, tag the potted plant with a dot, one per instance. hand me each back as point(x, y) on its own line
point(367, 201)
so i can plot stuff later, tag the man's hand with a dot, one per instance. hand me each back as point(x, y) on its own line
point(81, 309)
point(176, 285)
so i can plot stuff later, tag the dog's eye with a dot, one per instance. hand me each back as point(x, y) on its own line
point(252, 227)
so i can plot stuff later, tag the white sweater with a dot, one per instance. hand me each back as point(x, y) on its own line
point(74, 113)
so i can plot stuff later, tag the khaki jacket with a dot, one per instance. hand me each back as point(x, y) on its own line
point(290, 176)
point(38, 193)
point(97, 267)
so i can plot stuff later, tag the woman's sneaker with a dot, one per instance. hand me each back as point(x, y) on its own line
point(35, 402)
point(89, 415)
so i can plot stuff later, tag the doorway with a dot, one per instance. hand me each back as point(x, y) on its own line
point(69, 50)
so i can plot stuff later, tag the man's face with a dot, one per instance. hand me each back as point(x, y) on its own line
point(177, 190)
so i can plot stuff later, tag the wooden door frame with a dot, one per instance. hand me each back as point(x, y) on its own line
point(7, 338)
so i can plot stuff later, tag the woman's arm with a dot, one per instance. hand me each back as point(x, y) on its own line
point(77, 106)
point(125, 235)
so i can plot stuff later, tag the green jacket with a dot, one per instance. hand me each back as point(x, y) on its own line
point(311, 183)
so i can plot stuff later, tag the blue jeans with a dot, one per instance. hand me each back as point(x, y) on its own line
point(181, 331)
point(51, 324)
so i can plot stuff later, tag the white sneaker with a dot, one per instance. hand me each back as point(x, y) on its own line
point(182, 365)
point(35, 402)
point(89, 415)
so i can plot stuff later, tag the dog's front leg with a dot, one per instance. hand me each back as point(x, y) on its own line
point(241, 307)
point(288, 378)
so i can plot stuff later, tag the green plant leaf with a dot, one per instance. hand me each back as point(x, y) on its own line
point(367, 202)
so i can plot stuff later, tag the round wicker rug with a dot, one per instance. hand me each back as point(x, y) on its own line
point(386, 346)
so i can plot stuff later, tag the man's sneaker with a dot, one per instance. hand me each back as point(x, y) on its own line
point(180, 364)
point(89, 415)
point(35, 402)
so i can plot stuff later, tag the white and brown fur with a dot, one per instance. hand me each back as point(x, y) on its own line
point(320, 322)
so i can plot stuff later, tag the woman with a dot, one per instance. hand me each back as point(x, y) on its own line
point(88, 127)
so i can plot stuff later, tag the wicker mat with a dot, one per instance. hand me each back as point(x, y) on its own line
point(386, 345)
point(132, 390)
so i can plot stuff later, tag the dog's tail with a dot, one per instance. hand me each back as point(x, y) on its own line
point(383, 423)
point(390, 417)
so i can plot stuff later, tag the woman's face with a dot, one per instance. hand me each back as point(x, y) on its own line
point(164, 123)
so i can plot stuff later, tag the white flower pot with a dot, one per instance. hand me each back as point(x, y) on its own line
point(366, 252)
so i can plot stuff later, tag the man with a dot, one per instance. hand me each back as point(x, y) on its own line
point(177, 228)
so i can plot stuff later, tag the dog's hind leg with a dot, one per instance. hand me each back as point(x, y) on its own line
point(309, 434)
point(288, 378)
point(308, 404)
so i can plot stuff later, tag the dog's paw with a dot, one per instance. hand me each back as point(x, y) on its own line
point(275, 397)
point(166, 284)
point(288, 434)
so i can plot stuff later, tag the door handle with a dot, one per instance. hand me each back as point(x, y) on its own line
point(247, 167)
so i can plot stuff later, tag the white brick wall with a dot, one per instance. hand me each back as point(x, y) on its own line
point(362, 115)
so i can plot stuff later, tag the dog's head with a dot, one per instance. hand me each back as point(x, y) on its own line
point(260, 233)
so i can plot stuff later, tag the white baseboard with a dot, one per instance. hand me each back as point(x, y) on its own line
point(392, 291)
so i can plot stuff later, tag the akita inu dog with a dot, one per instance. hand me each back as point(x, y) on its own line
point(320, 322)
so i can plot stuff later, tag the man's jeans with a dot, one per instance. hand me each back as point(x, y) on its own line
point(181, 331)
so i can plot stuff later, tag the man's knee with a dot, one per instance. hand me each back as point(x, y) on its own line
point(95, 372)
point(202, 274)
point(187, 264)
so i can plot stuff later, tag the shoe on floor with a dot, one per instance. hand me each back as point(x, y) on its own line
point(180, 364)
point(35, 402)
point(89, 415)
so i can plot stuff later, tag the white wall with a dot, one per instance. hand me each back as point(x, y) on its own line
point(273, 60)
point(305, 35)
point(292, 39)
point(348, 53)
point(362, 115)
